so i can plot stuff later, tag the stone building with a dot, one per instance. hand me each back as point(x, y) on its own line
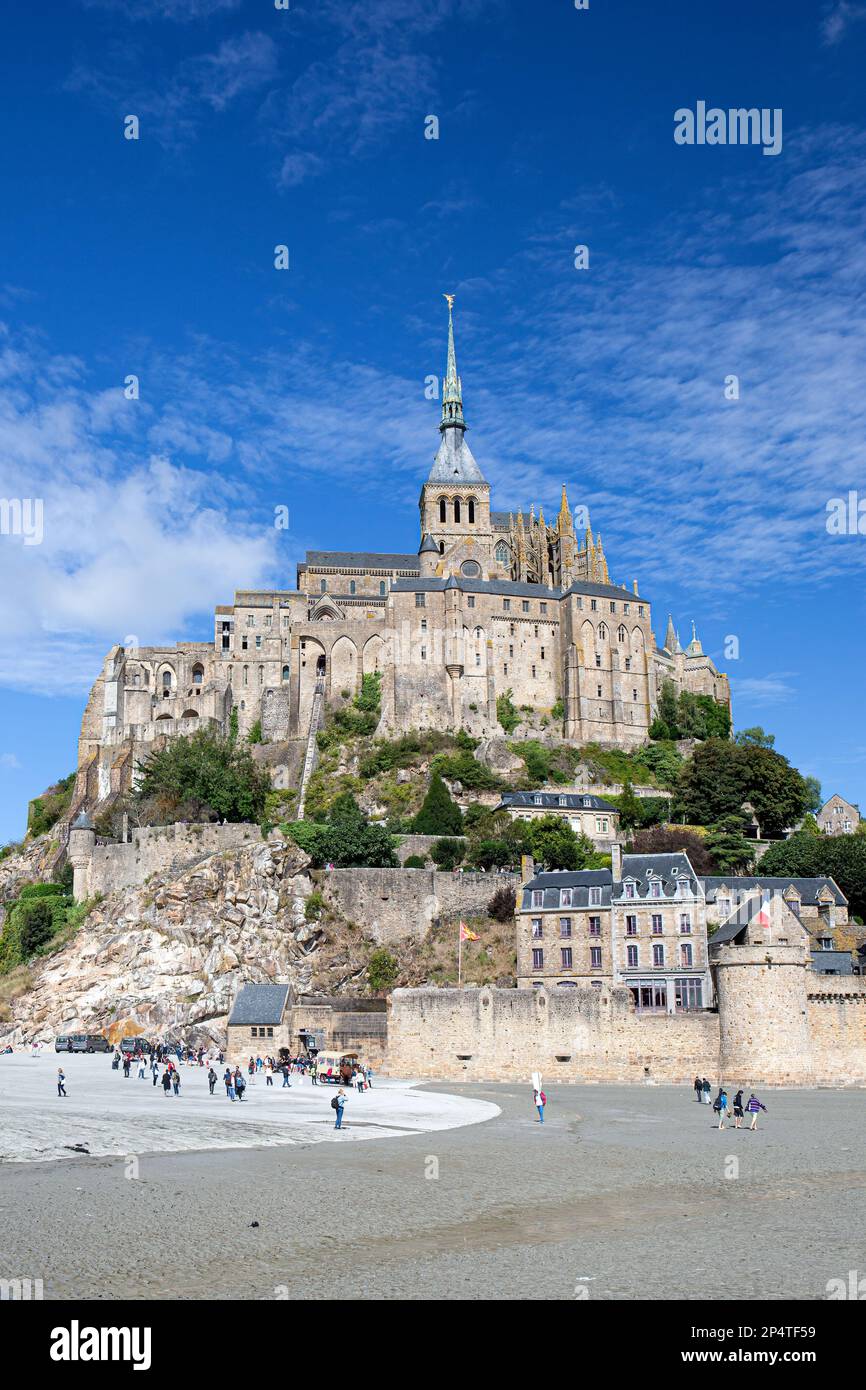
point(266, 1018)
point(585, 813)
point(838, 816)
point(641, 924)
point(491, 603)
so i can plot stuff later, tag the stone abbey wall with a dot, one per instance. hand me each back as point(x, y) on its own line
point(777, 1024)
point(158, 849)
point(393, 904)
point(569, 1035)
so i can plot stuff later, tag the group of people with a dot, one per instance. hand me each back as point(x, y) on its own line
point(753, 1106)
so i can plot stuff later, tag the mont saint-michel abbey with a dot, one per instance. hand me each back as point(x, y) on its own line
point(490, 602)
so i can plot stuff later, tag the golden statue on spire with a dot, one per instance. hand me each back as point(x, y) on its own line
point(450, 298)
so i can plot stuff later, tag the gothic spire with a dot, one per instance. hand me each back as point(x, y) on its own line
point(452, 390)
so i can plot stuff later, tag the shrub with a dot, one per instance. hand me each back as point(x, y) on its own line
point(558, 710)
point(503, 905)
point(463, 767)
point(415, 861)
point(212, 775)
point(506, 712)
point(447, 853)
point(314, 905)
point(382, 970)
point(255, 733)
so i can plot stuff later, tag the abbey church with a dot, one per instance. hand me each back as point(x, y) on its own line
point(491, 603)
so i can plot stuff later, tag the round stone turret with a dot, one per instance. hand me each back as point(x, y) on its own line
point(764, 1036)
point(428, 557)
point(82, 838)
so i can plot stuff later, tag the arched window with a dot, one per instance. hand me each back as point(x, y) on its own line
point(602, 632)
point(502, 553)
point(285, 673)
point(246, 676)
point(351, 586)
point(620, 633)
point(197, 674)
point(382, 587)
point(166, 684)
point(443, 509)
point(441, 547)
point(470, 511)
point(456, 508)
point(323, 586)
point(261, 675)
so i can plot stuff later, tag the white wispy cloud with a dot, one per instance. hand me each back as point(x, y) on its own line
point(9, 762)
point(838, 18)
point(772, 689)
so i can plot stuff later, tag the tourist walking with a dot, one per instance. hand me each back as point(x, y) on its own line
point(338, 1104)
point(539, 1100)
point(211, 1079)
point(154, 1068)
point(708, 1091)
point(175, 1081)
point(269, 1073)
point(240, 1084)
point(166, 1082)
point(699, 1089)
point(314, 1073)
point(115, 1061)
point(61, 1082)
point(720, 1105)
point(754, 1108)
point(127, 1060)
point(369, 1078)
point(285, 1070)
point(359, 1078)
point(141, 1066)
point(229, 1080)
point(738, 1110)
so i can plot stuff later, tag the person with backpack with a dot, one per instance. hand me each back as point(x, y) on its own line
point(754, 1108)
point(738, 1110)
point(720, 1105)
point(61, 1082)
point(175, 1081)
point(229, 1082)
point(240, 1084)
point(539, 1100)
point(166, 1082)
point(126, 1064)
point(211, 1079)
point(337, 1103)
point(707, 1091)
point(699, 1089)
point(284, 1068)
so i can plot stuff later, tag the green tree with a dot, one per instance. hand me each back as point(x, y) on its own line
point(552, 842)
point(712, 784)
point(629, 807)
point(506, 712)
point(731, 851)
point(776, 789)
point(382, 970)
point(756, 737)
point(439, 814)
point(202, 775)
point(447, 853)
point(840, 857)
point(34, 922)
point(346, 839)
point(816, 799)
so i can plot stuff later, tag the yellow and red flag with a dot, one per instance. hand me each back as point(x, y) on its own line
point(466, 934)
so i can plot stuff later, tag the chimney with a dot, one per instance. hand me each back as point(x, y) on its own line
point(616, 860)
point(527, 868)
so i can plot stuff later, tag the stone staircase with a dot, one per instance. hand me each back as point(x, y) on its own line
point(312, 747)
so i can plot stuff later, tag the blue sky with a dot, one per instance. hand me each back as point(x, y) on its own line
point(305, 387)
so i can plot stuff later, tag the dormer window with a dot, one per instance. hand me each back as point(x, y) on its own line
point(595, 897)
point(655, 888)
point(628, 889)
point(538, 897)
point(538, 801)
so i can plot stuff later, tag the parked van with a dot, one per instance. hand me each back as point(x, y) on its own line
point(82, 1042)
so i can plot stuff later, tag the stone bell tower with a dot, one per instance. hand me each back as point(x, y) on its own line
point(455, 500)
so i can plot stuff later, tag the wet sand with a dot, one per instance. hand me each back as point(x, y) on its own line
point(623, 1193)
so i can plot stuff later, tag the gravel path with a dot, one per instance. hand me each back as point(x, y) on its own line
point(624, 1193)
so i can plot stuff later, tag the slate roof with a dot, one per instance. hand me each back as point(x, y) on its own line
point(572, 801)
point(838, 961)
point(808, 888)
point(259, 1004)
point(580, 881)
point(670, 868)
point(509, 588)
point(358, 559)
point(454, 462)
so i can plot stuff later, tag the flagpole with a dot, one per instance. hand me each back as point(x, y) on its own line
point(460, 956)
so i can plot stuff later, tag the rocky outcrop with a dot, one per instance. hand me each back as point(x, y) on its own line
point(166, 958)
